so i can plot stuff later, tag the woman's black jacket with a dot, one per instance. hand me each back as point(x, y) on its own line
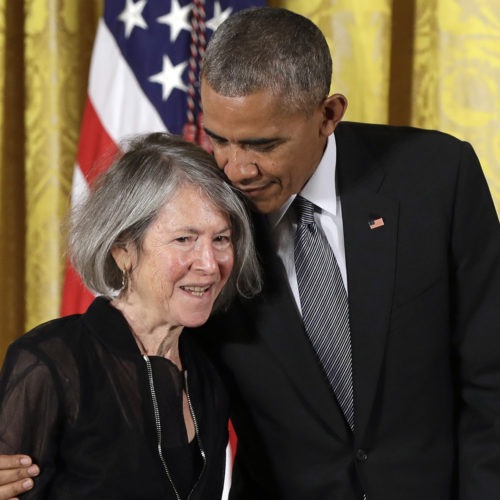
point(75, 395)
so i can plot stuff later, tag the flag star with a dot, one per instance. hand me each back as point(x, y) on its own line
point(219, 16)
point(132, 16)
point(177, 19)
point(170, 77)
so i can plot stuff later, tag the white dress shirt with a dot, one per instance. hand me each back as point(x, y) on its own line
point(321, 190)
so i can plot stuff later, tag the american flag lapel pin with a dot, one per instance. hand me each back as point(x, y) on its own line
point(375, 222)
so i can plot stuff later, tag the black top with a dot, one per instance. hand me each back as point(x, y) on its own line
point(184, 459)
point(75, 395)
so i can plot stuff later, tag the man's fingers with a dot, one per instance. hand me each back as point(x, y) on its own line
point(16, 472)
point(10, 475)
point(9, 491)
point(14, 461)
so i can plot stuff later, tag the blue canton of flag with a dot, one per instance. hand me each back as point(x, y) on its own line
point(156, 39)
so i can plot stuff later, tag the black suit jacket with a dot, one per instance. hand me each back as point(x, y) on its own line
point(424, 298)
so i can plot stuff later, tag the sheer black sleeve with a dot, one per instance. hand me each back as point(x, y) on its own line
point(29, 412)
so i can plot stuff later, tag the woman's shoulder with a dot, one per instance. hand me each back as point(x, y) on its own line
point(51, 329)
point(50, 341)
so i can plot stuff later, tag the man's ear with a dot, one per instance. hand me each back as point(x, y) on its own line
point(333, 109)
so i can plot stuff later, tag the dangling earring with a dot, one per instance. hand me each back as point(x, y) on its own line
point(125, 280)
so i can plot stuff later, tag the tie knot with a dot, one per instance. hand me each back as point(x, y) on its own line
point(305, 211)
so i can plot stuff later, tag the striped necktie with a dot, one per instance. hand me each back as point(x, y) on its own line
point(325, 309)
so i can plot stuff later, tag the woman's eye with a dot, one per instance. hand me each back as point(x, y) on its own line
point(222, 239)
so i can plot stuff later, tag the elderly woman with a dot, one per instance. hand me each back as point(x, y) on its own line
point(115, 403)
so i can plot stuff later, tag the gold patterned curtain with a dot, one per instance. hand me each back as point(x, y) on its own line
point(45, 48)
point(429, 63)
point(358, 32)
point(457, 75)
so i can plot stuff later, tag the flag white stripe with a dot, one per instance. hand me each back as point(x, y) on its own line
point(79, 188)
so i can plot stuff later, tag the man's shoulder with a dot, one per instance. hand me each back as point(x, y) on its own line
point(390, 133)
point(408, 156)
point(397, 146)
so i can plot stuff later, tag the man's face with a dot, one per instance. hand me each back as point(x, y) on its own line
point(266, 151)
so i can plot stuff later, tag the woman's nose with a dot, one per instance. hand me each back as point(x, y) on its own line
point(205, 259)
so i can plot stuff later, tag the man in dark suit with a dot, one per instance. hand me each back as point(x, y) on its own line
point(416, 241)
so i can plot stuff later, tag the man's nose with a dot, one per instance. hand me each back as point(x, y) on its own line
point(240, 166)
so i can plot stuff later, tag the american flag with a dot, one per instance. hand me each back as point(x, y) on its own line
point(143, 78)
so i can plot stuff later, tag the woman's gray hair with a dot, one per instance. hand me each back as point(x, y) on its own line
point(127, 198)
point(269, 49)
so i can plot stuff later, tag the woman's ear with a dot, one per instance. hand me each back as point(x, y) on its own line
point(122, 257)
point(333, 109)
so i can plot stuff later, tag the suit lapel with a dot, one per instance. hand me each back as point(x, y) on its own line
point(371, 260)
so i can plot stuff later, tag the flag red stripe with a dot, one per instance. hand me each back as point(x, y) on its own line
point(95, 144)
point(76, 298)
point(95, 151)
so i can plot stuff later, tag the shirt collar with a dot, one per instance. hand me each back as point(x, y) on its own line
point(320, 189)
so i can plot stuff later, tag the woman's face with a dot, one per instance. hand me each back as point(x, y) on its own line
point(186, 259)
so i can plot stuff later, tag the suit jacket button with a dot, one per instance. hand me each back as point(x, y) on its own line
point(361, 455)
